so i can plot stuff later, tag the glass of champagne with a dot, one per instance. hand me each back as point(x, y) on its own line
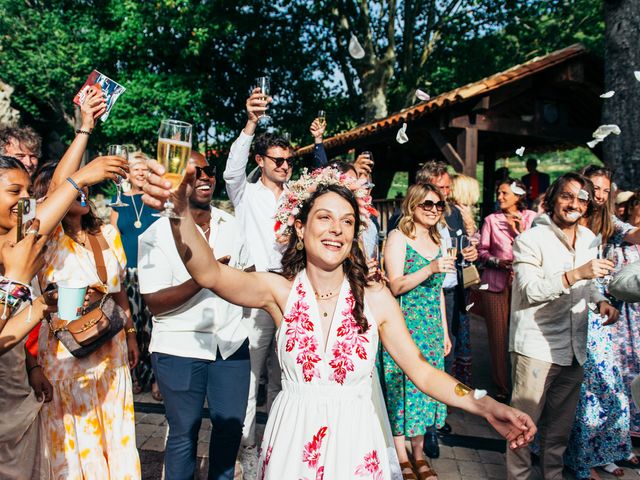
point(465, 242)
point(118, 151)
point(451, 244)
point(264, 85)
point(322, 117)
point(174, 148)
point(606, 252)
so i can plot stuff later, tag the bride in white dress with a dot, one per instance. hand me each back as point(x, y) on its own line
point(323, 424)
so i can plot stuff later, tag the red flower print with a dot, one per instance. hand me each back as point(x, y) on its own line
point(311, 453)
point(370, 467)
point(265, 462)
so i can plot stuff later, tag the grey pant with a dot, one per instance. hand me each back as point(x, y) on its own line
point(549, 394)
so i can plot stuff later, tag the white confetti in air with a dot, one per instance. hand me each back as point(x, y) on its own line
point(637, 75)
point(614, 186)
point(592, 306)
point(458, 232)
point(520, 151)
point(484, 286)
point(355, 49)
point(593, 143)
point(401, 136)
point(608, 94)
point(424, 96)
point(478, 393)
point(516, 189)
point(469, 307)
point(603, 131)
point(583, 194)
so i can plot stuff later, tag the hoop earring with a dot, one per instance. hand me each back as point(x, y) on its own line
point(299, 245)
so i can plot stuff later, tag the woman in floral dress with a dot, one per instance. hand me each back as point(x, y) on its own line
point(416, 266)
point(323, 423)
point(600, 435)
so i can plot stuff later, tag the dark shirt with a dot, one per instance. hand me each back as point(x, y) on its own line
point(535, 190)
point(319, 156)
point(126, 225)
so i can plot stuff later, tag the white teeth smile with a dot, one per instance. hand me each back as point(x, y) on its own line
point(204, 188)
point(329, 243)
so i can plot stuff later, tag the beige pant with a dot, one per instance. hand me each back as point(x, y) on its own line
point(549, 394)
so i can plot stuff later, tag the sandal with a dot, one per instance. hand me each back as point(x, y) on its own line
point(136, 388)
point(155, 393)
point(630, 462)
point(613, 469)
point(409, 475)
point(428, 474)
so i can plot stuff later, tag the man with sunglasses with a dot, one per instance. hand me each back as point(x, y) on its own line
point(199, 346)
point(255, 206)
point(554, 263)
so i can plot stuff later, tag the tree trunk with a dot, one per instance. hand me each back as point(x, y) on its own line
point(374, 90)
point(622, 58)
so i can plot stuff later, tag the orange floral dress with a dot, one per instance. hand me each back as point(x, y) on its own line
point(89, 423)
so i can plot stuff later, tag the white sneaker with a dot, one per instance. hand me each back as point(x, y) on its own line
point(249, 462)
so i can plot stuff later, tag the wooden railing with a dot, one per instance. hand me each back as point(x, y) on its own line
point(386, 208)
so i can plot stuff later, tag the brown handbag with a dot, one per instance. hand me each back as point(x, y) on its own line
point(100, 322)
point(470, 276)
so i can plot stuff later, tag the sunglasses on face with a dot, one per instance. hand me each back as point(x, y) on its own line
point(279, 161)
point(209, 171)
point(429, 205)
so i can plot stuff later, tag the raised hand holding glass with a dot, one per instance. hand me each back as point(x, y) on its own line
point(118, 151)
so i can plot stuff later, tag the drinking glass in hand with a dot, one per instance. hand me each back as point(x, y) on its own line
point(606, 252)
point(465, 242)
point(118, 151)
point(451, 244)
point(322, 117)
point(264, 85)
point(174, 148)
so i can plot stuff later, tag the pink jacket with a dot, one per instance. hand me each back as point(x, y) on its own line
point(496, 240)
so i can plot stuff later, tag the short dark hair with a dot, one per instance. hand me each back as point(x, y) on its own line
point(26, 136)
point(268, 140)
point(430, 170)
point(532, 161)
point(551, 195)
point(522, 199)
point(11, 163)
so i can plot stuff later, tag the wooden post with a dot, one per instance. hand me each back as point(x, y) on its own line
point(488, 183)
point(468, 149)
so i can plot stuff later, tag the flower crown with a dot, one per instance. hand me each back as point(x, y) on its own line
point(299, 191)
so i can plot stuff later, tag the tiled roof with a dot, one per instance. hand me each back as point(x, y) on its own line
point(457, 95)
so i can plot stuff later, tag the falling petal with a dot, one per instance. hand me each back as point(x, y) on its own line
point(592, 306)
point(520, 151)
point(478, 393)
point(458, 232)
point(583, 194)
point(516, 189)
point(469, 307)
point(637, 75)
point(593, 143)
point(424, 96)
point(355, 49)
point(603, 131)
point(614, 187)
point(608, 94)
point(484, 286)
point(401, 136)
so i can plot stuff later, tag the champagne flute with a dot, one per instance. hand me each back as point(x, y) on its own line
point(465, 242)
point(606, 252)
point(451, 244)
point(322, 117)
point(174, 148)
point(118, 151)
point(264, 85)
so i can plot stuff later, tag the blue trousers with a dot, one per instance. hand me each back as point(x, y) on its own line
point(184, 384)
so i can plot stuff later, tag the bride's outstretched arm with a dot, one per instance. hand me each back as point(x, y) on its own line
point(516, 426)
point(248, 289)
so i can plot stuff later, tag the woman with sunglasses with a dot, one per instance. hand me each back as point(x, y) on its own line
point(496, 251)
point(416, 264)
point(131, 221)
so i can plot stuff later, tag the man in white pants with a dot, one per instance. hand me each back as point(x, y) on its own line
point(255, 206)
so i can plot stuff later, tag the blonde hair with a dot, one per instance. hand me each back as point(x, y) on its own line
point(465, 190)
point(415, 196)
point(137, 157)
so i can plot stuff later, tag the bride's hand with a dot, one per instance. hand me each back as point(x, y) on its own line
point(157, 190)
point(515, 426)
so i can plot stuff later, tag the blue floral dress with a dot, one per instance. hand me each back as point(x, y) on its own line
point(411, 412)
point(600, 433)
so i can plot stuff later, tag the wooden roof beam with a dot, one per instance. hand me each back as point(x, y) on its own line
point(446, 149)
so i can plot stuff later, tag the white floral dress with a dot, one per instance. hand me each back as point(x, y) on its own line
point(323, 424)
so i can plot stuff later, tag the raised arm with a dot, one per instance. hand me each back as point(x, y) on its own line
point(253, 290)
point(515, 426)
point(93, 106)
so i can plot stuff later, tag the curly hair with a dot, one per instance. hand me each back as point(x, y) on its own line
point(415, 195)
point(355, 265)
point(26, 136)
point(431, 170)
point(268, 140)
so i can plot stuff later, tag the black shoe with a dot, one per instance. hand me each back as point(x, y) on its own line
point(445, 429)
point(431, 448)
point(261, 398)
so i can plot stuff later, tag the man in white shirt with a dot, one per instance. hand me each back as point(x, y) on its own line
point(199, 347)
point(255, 207)
point(554, 263)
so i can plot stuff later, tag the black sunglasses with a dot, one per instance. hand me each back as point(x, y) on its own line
point(209, 171)
point(429, 204)
point(280, 160)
